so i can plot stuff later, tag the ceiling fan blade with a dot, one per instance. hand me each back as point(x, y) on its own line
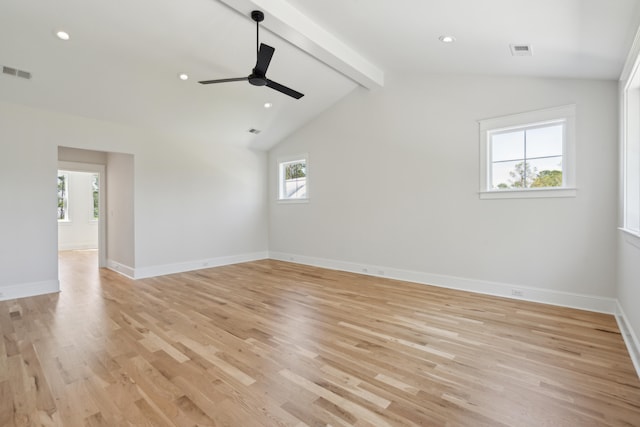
point(236, 79)
point(264, 58)
point(287, 91)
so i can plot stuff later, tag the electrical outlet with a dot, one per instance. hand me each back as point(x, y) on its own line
point(1, 295)
point(517, 292)
point(380, 272)
point(365, 270)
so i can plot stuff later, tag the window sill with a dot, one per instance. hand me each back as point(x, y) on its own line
point(529, 194)
point(292, 201)
point(631, 237)
point(64, 222)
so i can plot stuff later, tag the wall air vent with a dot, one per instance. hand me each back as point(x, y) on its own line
point(521, 50)
point(15, 72)
point(254, 131)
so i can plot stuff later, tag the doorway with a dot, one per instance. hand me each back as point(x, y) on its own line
point(81, 207)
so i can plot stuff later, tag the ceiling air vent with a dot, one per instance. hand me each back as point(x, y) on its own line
point(521, 50)
point(254, 131)
point(15, 72)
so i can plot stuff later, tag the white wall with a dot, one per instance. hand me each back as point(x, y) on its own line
point(77, 155)
point(192, 202)
point(394, 182)
point(80, 231)
point(120, 211)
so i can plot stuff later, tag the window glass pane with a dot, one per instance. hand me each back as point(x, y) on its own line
point(545, 141)
point(295, 188)
point(94, 190)
point(295, 170)
point(63, 197)
point(506, 175)
point(632, 163)
point(507, 146)
point(546, 172)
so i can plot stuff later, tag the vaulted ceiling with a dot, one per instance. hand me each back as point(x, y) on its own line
point(124, 56)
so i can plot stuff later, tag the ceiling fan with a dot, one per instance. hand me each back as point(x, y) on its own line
point(258, 74)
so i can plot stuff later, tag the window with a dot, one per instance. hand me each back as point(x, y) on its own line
point(96, 195)
point(293, 179)
point(528, 155)
point(631, 154)
point(63, 196)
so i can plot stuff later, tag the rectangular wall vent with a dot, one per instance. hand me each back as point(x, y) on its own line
point(24, 74)
point(15, 72)
point(521, 50)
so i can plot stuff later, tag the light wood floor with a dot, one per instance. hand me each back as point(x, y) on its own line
point(275, 344)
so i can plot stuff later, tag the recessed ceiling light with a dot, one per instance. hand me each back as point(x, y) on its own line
point(268, 105)
point(447, 39)
point(183, 76)
point(62, 35)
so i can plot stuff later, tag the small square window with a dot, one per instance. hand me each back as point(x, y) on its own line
point(528, 155)
point(293, 179)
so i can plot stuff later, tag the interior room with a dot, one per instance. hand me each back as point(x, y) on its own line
point(320, 213)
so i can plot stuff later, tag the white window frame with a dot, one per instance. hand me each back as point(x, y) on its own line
point(630, 149)
point(281, 163)
point(563, 114)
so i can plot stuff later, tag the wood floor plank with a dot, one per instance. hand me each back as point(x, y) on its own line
point(270, 343)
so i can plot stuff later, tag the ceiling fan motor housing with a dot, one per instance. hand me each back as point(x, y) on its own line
point(257, 80)
point(257, 16)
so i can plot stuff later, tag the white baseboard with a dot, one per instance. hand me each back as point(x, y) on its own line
point(630, 337)
point(23, 290)
point(77, 246)
point(181, 267)
point(546, 296)
point(125, 270)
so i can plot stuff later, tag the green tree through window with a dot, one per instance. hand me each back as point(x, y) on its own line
point(295, 171)
point(95, 190)
point(63, 197)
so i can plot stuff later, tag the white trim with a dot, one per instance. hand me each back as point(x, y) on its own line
point(292, 201)
point(181, 267)
point(532, 193)
point(125, 270)
point(629, 336)
point(23, 290)
point(546, 296)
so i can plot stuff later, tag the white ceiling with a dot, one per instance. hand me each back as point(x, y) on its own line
point(122, 62)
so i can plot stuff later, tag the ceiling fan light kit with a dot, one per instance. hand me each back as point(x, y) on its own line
point(258, 76)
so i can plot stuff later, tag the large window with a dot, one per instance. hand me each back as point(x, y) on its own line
point(293, 179)
point(528, 155)
point(63, 196)
point(631, 154)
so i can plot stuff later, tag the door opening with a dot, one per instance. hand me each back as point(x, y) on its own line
point(80, 209)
